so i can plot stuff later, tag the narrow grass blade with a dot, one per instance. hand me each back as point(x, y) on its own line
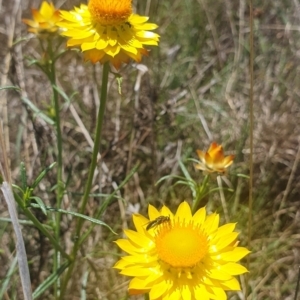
point(6, 280)
point(49, 281)
point(21, 252)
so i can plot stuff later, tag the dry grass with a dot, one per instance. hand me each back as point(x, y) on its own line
point(195, 90)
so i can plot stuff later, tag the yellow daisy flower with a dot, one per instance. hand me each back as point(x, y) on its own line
point(181, 256)
point(107, 30)
point(44, 20)
point(214, 160)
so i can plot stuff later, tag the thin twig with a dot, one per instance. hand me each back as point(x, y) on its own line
point(201, 116)
point(297, 286)
point(213, 31)
point(251, 117)
point(11, 22)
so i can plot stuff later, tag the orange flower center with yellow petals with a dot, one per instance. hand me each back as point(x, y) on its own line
point(181, 245)
point(110, 12)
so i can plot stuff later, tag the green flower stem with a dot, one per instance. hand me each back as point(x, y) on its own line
point(90, 175)
point(59, 183)
point(201, 192)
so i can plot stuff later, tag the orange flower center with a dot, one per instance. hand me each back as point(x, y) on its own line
point(110, 12)
point(181, 245)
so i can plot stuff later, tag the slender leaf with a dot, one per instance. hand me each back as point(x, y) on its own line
point(72, 213)
point(184, 170)
point(6, 280)
point(168, 177)
point(37, 111)
point(63, 94)
point(23, 176)
point(10, 88)
point(42, 175)
point(49, 281)
point(40, 203)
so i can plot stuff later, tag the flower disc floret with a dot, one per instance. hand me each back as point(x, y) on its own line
point(186, 257)
point(108, 12)
point(187, 253)
point(107, 30)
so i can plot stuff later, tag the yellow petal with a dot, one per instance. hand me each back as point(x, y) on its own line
point(137, 284)
point(231, 284)
point(129, 247)
point(158, 290)
point(138, 238)
point(219, 275)
point(165, 211)
point(234, 269)
point(211, 223)
point(136, 19)
point(235, 255)
point(226, 240)
point(47, 9)
point(225, 229)
point(184, 212)
point(186, 293)
point(139, 222)
point(219, 293)
point(136, 271)
point(88, 46)
point(153, 213)
point(201, 293)
point(200, 215)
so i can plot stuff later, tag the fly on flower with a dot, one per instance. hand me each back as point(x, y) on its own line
point(159, 220)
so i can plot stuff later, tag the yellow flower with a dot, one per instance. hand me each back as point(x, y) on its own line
point(107, 30)
point(214, 160)
point(181, 256)
point(44, 20)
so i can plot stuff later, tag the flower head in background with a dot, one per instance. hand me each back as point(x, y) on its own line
point(44, 20)
point(214, 160)
point(181, 256)
point(107, 30)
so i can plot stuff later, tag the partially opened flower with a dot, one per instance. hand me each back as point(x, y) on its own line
point(181, 256)
point(107, 30)
point(44, 20)
point(214, 160)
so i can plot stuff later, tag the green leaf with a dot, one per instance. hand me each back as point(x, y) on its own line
point(40, 203)
point(37, 111)
point(184, 170)
point(49, 281)
point(95, 221)
point(72, 213)
point(23, 175)
point(63, 94)
point(42, 175)
point(193, 160)
point(119, 79)
point(5, 282)
point(243, 176)
point(10, 88)
point(168, 177)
